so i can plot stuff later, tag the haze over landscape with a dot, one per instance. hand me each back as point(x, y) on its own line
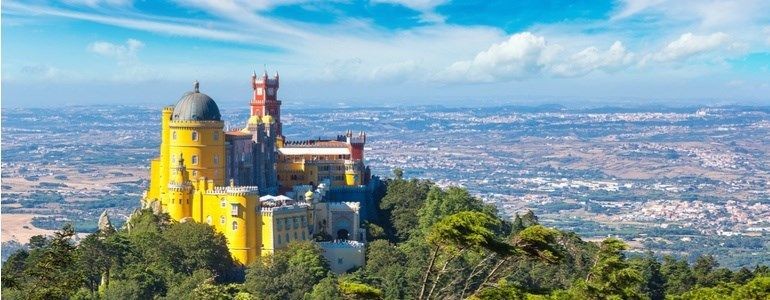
point(393, 52)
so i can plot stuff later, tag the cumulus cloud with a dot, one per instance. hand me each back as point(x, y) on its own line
point(590, 59)
point(121, 52)
point(525, 55)
point(688, 45)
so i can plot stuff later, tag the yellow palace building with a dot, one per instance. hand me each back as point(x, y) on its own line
point(205, 173)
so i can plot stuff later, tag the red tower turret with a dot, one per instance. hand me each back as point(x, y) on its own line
point(265, 98)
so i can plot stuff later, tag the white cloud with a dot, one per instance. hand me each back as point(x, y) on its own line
point(168, 27)
point(398, 72)
point(591, 58)
point(121, 52)
point(427, 8)
point(40, 71)
point(633, 7)
point(688, 45)
point(522, 55)
point(526, 55)
point(96, 3)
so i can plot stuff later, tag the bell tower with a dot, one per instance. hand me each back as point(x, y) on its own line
point(264, 100)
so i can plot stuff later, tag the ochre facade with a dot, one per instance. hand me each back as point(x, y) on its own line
point(205, 173)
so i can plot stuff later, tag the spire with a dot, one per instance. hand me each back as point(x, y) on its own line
point(196, 86)
point(254, 75)
point(264, 67)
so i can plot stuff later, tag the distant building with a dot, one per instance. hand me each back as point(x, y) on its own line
point(229, 179)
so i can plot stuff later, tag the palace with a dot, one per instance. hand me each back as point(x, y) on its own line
point(254, 186)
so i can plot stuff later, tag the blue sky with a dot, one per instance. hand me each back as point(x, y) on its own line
point(389, 52)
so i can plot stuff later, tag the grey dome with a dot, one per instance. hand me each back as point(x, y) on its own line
point(196, 106)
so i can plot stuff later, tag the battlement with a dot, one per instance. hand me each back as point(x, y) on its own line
point(348, 188)
point(341, 244)
point(234, 190)
point(284, 208)
point(344, 205)
point(179, 186)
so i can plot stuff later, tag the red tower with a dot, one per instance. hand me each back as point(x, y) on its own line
point(265, 98)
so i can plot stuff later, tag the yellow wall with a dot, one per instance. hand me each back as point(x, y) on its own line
point(307, 171)
point(274, 231)
point(209, 148)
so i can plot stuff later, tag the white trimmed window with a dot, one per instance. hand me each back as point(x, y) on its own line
point(235, 225)
point(194, 135)
point(194, 159)
point(173, 135)
point(222, 220)
point(208, 220)
point(233, 209)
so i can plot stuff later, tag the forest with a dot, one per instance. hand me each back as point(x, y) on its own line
point(427, 242)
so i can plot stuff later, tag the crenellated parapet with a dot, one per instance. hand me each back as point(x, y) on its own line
point(234, 190)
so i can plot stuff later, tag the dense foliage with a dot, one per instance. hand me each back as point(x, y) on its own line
point(428, 243)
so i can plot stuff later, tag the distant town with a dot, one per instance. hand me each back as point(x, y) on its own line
point(670, 180)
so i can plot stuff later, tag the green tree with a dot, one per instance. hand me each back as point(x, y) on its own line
point(387, 265)
point(742, 276)
point(453, 236)
point(184, 286)
point(440, 203)
point(655, 282)
point(756, 289)
point(201, 248)
point(398, 173)
point(611, 277)
point(501, 291)
point(50, 271)
point(679, 277)
point(357, 290)
point(326, 289)
point(401, 204)
point(287, 274)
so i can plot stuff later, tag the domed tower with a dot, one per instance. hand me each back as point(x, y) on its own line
point(196, 136)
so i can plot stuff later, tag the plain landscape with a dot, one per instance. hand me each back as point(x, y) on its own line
point(682, 181)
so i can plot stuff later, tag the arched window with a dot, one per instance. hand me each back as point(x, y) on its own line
point(216, 136)
point(194, 159)
point(194, 135)
point(278, 239)
point(222, 220)
point(216, 160)
point(287, 237)
point(223, 204)
point(235, 225)
point(173, 135)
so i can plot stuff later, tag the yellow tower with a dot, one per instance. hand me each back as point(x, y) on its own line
point(196, 136)
point(179, 188)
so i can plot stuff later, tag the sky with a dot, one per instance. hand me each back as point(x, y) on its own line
point(388, 52)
